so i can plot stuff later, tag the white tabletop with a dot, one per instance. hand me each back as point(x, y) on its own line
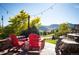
point(69, 41)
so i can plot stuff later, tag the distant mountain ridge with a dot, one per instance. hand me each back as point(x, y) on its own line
point(53, 26)
point(50, 27)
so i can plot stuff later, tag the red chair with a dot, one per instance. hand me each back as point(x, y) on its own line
point(34, 42)
point(15, 42)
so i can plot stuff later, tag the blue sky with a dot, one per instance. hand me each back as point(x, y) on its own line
point(58, 14)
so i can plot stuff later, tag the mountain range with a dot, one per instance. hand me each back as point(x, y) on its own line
point(52, 27)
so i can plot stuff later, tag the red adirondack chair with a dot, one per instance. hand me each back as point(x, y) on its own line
point(34, 42)
point(15, 42)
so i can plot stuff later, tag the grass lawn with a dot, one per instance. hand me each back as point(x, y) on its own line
point(51, 41)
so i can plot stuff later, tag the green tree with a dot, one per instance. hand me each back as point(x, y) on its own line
point(8, 30)
point(35, 22)
point(64, 28)
point(34, 25)
point(20, 22)
point(0, 29)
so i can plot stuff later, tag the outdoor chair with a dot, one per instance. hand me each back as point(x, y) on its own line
point(34, 42)
point(16, 43)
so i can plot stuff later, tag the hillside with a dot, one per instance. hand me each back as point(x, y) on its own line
point(53, 26)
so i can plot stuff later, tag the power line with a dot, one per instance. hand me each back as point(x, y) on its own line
point(2, 19)
point(4, 9)
point(8, 12)
point(42, 12)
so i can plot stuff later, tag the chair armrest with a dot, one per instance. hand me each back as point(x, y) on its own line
point(24, 39)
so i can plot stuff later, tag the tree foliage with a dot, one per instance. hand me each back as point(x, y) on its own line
point(0, 29)
point(19, 22)
point(8, 30)
point(35, 22)
point(63, 29)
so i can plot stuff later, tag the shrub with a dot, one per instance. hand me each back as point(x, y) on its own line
point(3, 36)
point(31, 30)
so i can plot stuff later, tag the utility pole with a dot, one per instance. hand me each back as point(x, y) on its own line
point(28, 24)
point(28, 21)
point(2, 22)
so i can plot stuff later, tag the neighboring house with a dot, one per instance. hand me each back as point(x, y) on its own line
point(48, 31)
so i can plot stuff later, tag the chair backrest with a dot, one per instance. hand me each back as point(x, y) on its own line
point(34, 40)
point(14, 40)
